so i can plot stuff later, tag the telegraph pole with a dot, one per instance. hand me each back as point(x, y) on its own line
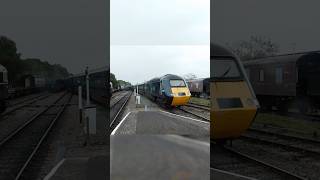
point(87, 85)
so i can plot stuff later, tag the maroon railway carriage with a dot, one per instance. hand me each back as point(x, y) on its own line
point(286, 80)
point(199, 87)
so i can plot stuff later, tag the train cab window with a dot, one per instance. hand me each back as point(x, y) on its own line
point(222, 69)
point(261, 75)
point(177, 83)
point(279, 75)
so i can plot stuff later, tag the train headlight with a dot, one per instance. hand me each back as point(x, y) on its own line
point(250, 102)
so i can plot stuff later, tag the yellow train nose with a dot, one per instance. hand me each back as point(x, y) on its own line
point(180, 95)
point(230, 123)
point(180, 100)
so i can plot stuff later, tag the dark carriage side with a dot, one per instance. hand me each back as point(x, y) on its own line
point(286, 80)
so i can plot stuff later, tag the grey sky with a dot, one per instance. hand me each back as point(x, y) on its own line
point(142, 63)
point(285, 22)
point(71, 33)
point(153, 38)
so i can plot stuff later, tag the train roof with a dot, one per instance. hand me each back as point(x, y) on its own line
point(3, 69)
point(282, 58)
point(171, 76)
point(154, 79)
point(217, 50)
point(167, 76)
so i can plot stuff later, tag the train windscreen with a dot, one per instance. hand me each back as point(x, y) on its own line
point(225, 69)
point(177, 83)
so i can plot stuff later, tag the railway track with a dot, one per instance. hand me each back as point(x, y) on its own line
point(229, 159)
point(291, 143)
point(20, 146)
point(207, 108)
point(194, 113)
point(307, 117)
point(115, 99)
point(15, 102)
point(13, 119)
point(117, 107)
point(23, 104)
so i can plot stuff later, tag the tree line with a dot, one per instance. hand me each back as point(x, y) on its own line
point(118, 83)
point(18, 67)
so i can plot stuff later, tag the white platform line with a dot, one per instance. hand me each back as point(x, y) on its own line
point(185, 117)
point(192, 141)
point(54, 170)
point(114, 131)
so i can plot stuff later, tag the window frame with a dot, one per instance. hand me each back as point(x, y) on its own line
point(221, 58)
point(185, 85)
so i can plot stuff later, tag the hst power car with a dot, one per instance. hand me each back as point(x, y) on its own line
point(170, 90)
point(233, 102)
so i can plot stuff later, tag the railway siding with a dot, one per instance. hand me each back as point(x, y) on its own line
point(26, 140)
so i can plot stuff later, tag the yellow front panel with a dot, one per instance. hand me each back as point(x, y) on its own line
point(231, 122)
point(180, 100)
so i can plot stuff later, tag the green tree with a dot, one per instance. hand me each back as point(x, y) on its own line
point(124, 83)
point(9, 57)
point(113, 80)
point(17, 68)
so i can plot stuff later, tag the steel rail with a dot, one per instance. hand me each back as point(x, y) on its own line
point(11, 104)
point(3, 141)
point(194, 114)
point(23, 105)
point(42, 138)
point(284, 136)
point(267, 165)
point(122, 106)
point(207, 108)
point(281, 145)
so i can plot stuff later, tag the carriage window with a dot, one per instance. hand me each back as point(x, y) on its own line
point(279, 75)
point(225, 69)
point(261, 75)
point(177, 83)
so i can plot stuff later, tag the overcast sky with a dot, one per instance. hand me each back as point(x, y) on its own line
point(285, 22)
point(72, 33)
point(152, 38)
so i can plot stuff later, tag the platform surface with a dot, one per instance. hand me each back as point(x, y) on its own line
point(147, 157)
point(159, 122)
point(149, 118)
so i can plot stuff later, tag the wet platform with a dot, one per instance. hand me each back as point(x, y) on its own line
point(147, 157)
point(224, 175)
point(148, 118)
